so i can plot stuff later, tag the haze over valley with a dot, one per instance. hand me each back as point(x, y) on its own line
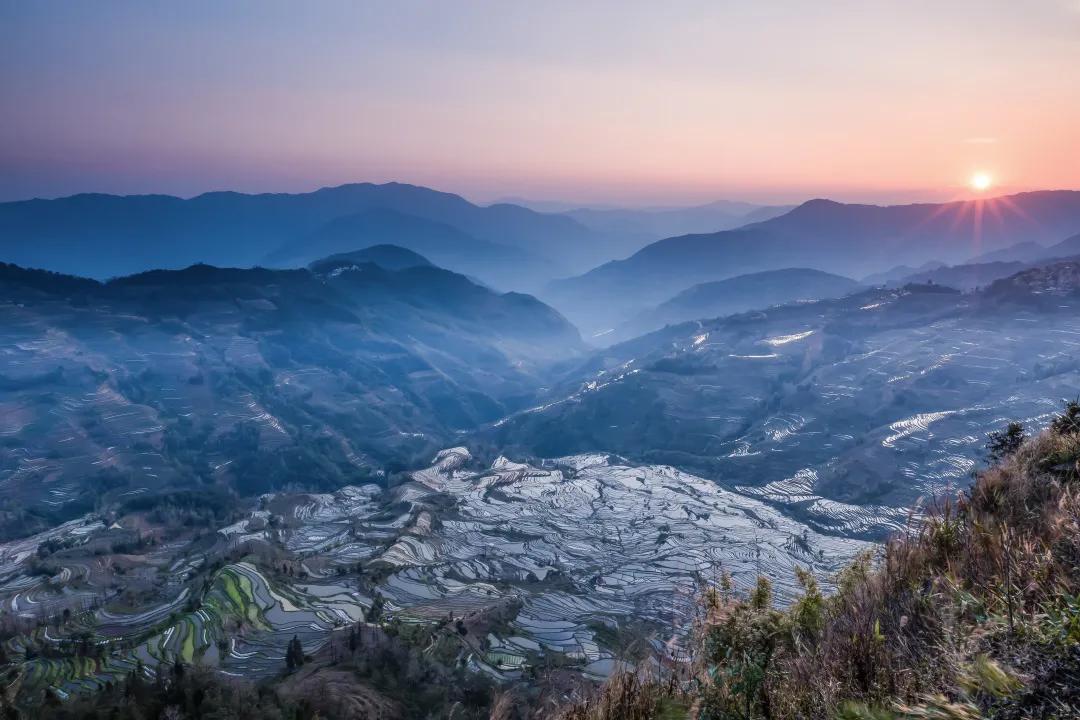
point(587, 363)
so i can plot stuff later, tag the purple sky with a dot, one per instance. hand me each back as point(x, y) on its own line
point(623, 102)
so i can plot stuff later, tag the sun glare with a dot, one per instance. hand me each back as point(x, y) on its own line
point(981, 181)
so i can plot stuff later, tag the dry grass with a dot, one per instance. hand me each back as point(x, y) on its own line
point(973, 613)
point(631, 696)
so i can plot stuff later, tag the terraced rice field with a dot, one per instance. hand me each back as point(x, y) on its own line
point(576, 542)
point(843, 414)
point(904, 418)
point(241, 625)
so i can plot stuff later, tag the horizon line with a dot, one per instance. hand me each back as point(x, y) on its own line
point(966, 195)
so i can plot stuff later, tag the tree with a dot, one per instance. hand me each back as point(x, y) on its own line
point(1002, 444)
point(1068, 422)
point(739, 645)
point(294, 654)
point(354, 638)
point(375, 611)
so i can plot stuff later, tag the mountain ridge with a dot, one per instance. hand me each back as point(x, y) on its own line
point(105, 235)
point(851, 239)
point(741, 293)
point(445, 244)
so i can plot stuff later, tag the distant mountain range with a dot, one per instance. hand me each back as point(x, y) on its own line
point(493, 263)
point(737, 294)
point(898, 274)
point(1032, 251)
point(854, 240)
point(505, 245)
point(105, 235)
point(983, 269)
point(641, 226)
point(968, 276)
point(1020, 252)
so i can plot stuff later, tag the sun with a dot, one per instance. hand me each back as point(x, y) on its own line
point(981, 181)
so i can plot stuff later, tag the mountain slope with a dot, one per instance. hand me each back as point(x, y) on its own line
point(854, 240)
point(1029, 252)
point(1045, 285)
point(1020, 252)
point(970, 276)
point(896, 275)
point(1068, 247)
point(739, 294)
point(106, 235)
point(815, 406)
point(249, 378)
point(445, 244)
point(638, 227)
point(388, 257)
point(965, 277)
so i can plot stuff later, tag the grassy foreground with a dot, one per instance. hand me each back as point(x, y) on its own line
point(973, 613)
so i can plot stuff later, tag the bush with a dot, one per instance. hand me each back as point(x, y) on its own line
point(1002, 444)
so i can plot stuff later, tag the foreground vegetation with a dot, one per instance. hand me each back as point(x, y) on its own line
point(974, 613)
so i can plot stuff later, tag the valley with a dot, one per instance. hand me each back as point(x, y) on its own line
point(198, 414)
point(376, 466)
point(843, 412)
point(540, 361)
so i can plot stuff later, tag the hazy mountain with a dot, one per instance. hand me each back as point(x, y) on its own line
point(1068, 247)
point(388, 257)
point(107, 235)
point(1029, 252)
point(854, 240)
point(965, 277)
point(766, 212)
point(174, 379)
point(625, 230)
point(898, 274)
point(1047, 286)
point(738, 294)
point(641, 226)
point(971, 275)
point(495, 264)
point(1020, 252)
point(552, 206)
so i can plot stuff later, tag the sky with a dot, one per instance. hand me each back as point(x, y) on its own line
point(602, 101)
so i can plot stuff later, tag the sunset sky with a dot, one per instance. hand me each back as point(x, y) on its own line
point(613, 102)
